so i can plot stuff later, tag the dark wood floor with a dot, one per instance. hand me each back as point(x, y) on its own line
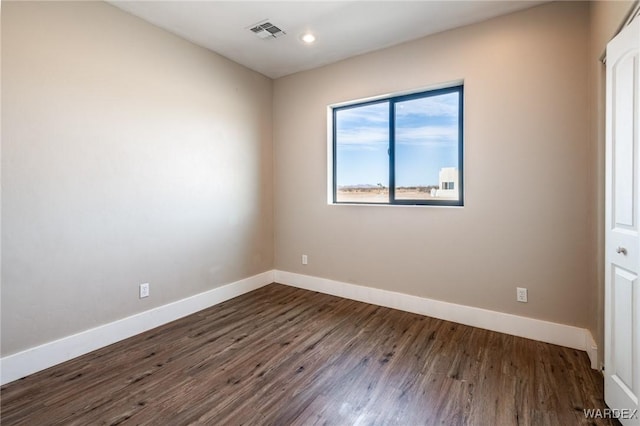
point(281, 356)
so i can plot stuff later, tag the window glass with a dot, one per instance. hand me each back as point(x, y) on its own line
point(362, 153)
point(426, 148)
point(404, 149)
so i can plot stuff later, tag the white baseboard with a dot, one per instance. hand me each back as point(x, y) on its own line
point(544, 331)
point(32, 360)
point(592, 350)
point(15, 366)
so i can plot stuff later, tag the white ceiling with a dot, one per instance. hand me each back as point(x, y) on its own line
point(343, 28)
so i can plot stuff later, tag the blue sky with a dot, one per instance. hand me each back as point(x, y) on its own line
point(426, 141)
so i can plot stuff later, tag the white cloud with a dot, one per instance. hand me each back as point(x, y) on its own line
point(434, 106)
point(427, 135)
point(369, 138)
point(369, 115)
point(366, 127)
point(377, 138)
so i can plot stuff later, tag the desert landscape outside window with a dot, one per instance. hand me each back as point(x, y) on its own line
point(400, 150)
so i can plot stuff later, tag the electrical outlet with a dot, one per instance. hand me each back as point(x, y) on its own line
point(305, 259)
point(144, 290)
point(521, 294)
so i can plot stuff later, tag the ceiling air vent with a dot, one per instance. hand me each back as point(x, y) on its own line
point(266, 30)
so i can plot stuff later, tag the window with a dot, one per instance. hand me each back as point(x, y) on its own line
point(400, 150)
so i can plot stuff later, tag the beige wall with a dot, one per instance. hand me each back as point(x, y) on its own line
point(128, 155)
point(525, 220)
point(605, 21)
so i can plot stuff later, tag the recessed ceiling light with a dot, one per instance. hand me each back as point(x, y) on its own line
point(308, 38)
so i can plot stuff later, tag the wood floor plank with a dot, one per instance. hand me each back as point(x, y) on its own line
point(286, 356)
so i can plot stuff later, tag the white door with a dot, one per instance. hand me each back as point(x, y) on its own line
point(622, 221)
